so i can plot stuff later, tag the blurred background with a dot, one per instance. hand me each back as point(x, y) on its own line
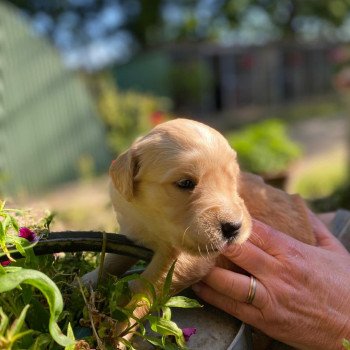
point(80, 79)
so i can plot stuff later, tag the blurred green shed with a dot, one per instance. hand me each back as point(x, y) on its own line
point(47, 119)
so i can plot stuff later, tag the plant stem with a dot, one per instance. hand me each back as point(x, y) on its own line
point(99, 342)
point(102, 258)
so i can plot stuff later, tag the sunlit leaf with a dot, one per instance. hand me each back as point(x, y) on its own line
point(4, 321)
point(346, 344)
point(164, 327)
point(183, 302)
point(18, 323)
point(14, 278)
point(168, 280)
point(166, 313)
point(127, 343)
point(70, 335)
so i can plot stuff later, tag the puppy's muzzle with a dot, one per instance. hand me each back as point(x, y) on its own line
point(230, 230)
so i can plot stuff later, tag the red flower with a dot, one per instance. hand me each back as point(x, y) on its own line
point(157, 118)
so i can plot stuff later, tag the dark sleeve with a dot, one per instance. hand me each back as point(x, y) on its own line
point(340, 227)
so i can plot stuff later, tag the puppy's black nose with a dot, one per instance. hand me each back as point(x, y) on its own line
point(230, 229)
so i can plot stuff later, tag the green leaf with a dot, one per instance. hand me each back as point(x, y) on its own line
point(41, 342)
point(14, 223)
point(120, 285)
point(346, 344)
point(161, 344)
point(3, 231)
point(128, 278)
point(166, 313)
point(6, 223)
point(26, 294)
point(70, 335)
point(183, 302)
point(18, 323)
point(2, 234)
point(38, 316)
point(150, 288)
point(3, 322)
point(140, 299)
point(24, 246)
point(20, 243)
point(127, 344)
point(3, 240)
point(154, 341)
point(39, 280)
point(168, 280)
point(17, 336)
point(180, 340)
point(164, 327)
point(167, 327)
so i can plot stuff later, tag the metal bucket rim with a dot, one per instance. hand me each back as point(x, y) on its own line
point(238, 336)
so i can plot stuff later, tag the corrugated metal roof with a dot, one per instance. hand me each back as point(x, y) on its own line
point(47, 118)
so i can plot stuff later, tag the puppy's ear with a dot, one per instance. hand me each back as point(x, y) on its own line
point(122, 172)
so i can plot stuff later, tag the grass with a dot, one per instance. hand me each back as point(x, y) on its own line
point(321, 175)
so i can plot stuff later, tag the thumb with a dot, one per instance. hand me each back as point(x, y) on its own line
point(324, 237)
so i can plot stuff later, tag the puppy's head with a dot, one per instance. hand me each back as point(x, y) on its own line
point(179, 184)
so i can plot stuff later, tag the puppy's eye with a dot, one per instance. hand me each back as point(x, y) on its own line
point(186, 184)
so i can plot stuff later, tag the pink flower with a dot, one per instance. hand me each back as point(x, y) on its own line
point(188, 332)
point(26, 233)
point(29, 235)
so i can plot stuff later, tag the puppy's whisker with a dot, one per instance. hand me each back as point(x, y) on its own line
point(212, 246)
point(184, 234)
point(207, 210)
point(199, 250)
point(208, 254)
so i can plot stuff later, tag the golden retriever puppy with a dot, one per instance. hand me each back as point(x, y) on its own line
point(179, 191)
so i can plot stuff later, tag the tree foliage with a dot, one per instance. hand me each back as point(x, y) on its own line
point(72, 23)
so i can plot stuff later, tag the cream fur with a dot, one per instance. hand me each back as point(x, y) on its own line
point(185, 225)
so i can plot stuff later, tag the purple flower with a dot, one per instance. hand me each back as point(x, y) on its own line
point(5, 263)
point(188, 332)
point(26, 233)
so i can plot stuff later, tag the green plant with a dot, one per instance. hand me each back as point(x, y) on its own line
point(16, 238)
point(191, 82)
point(346, 344)
point(12, 278)
point(163, 332)
point(264, 148)
point(316, 179)
point(127, 115)
point(45, 282)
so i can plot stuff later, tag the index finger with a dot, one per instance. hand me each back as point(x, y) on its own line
point(250, 257)
point(270, 239)
point(262, 250)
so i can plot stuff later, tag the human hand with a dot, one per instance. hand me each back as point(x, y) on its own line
point(303, 292)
